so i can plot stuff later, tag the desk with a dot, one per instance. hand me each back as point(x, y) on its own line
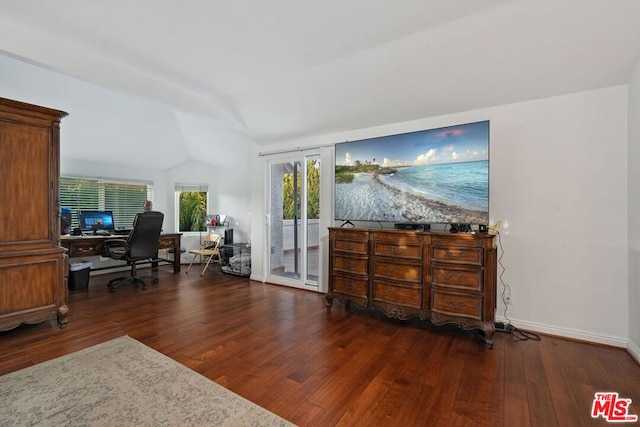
point(82, 246)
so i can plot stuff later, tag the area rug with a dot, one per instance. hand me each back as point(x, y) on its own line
point(122, 382)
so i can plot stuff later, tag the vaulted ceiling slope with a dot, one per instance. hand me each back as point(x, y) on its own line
point(281, 69)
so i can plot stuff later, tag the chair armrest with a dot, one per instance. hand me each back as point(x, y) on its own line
point(111, 244)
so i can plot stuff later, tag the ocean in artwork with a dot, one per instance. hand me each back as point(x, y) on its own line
point(444, 193)
point(460, 184)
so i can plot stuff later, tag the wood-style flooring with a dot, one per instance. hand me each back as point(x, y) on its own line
point(281, 349)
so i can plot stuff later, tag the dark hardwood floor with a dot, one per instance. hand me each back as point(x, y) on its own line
point(281, 349)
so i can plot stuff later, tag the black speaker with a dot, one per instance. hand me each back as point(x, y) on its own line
point(228, 236)
point(411, 226)
point(65, 222)
point(483, 228)
point(459, 228)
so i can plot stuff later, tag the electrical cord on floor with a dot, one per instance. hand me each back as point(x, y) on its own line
point(506, 297)
point(522, 335)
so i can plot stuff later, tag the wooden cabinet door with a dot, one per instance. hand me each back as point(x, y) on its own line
point(25, 187)
point(31, 259)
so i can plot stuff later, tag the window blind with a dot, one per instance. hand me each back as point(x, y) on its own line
point(198, 188)
point(124, 198)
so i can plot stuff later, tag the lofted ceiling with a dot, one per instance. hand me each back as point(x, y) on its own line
point(283, 69)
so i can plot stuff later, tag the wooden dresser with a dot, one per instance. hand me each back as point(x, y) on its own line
point(440, 277)
point(32, 263)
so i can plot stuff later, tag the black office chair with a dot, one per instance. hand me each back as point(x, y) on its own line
point(140, 246)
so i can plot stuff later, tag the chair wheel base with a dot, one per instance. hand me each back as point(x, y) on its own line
point(136, 280)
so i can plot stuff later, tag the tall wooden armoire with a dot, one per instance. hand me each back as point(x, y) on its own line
point(32, 263)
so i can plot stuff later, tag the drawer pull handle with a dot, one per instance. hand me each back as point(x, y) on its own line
point(390, 269)
point(350, 246)
point(396, 250)
point(461, 304)
point(349, 265)
point(349, 286)
point(390, 292)
point(450, 276)
point(450, 254)
point(81, 250)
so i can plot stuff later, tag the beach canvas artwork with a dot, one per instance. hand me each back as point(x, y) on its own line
point(425, 177)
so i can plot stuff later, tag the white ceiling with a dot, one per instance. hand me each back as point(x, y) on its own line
point(282, 69)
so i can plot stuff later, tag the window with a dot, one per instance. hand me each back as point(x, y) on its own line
point(191, 202)
point(124, 198)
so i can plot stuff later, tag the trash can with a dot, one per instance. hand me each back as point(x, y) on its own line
point(79, 274)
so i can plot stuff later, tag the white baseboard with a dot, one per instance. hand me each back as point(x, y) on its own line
point(567, 333)
point(634, 350)
point(257, 277)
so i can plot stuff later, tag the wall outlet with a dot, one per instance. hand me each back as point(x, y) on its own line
point(506, 294)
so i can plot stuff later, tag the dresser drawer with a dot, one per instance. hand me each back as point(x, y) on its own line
point(350, 285)
point(395, 271)
point(457, 239)
point(348, 234)
point(399, 295)
point(350, 264)
point(398, 250)
point(395, 236)
point(351, 246)
point(456, 304)
point(458, 254)
point(89, 248)
point(467, 279)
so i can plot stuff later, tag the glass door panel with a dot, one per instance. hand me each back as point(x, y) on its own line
point(313, 219)
point(293, 214)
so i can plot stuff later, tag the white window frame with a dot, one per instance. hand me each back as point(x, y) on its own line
point(182, 187)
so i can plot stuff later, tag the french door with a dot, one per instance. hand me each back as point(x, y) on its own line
point(293, 213)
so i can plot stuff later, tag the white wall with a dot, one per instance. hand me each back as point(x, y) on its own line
point(103, 125)
point(118, 135)
point(558, 176)
point(634, 213)
point(112, 134)
point(558, 170)
point(228, 193)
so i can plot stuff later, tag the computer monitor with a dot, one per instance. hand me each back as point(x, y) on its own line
point(95, 220)
point(65, 220)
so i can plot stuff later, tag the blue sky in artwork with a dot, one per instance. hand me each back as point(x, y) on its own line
point(452, 144)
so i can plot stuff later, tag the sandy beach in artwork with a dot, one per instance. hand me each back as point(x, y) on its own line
point(368, 193)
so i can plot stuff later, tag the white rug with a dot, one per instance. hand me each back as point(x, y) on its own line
point(122, 383)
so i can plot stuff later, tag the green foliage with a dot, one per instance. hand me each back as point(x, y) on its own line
point(313, 189)
point(344, 174)
point(288, 195)
point(343, 177)
point(313, 192)
point(193, 211)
